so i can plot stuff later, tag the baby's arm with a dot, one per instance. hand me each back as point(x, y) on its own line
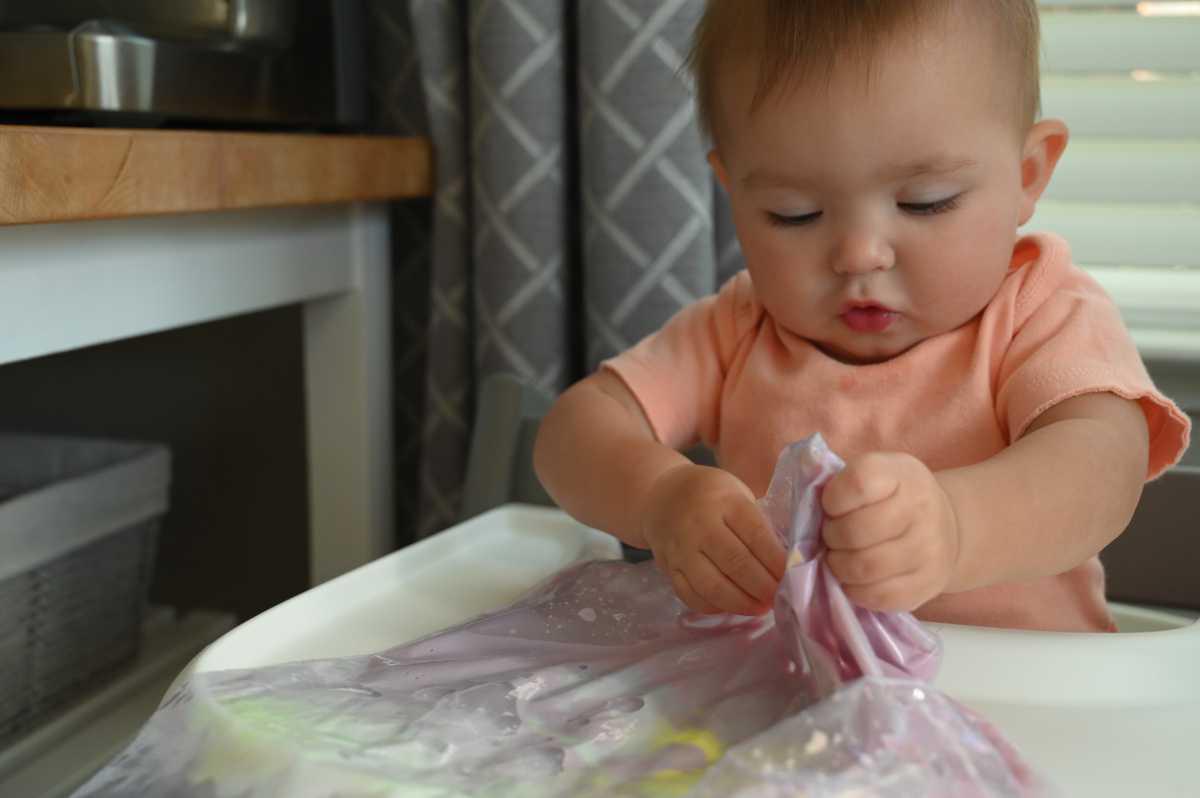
point(598, 457)
point(900, 535)
point(1057, 496)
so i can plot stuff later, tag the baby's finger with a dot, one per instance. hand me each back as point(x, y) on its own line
point(741, 567)
point(864, 481)
point(866, 527)
point(688, 596)
point(889, 560)
point(747, 521)
point(707, 580)
point(900, 594)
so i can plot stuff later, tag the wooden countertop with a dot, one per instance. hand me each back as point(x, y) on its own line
point(57, 174)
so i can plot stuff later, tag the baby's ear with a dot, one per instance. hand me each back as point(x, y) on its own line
point(718, 167)
point(1044, 145)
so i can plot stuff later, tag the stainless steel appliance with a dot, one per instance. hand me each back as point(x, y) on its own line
point(272, 63)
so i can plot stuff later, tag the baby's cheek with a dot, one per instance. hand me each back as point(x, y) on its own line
point(967, 275)
point(948, 305)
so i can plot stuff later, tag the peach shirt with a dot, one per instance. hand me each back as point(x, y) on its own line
point(722, 372)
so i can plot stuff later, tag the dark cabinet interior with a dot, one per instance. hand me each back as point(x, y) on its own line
point(227, 397)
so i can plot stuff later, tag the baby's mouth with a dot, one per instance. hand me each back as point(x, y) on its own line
point(868, 317)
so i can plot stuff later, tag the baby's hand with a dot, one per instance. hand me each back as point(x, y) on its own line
point(892, 534)
point(711, 540)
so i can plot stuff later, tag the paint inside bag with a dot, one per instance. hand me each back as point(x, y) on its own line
point(599, 682)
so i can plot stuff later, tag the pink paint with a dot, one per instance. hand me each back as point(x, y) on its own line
point(571, 690)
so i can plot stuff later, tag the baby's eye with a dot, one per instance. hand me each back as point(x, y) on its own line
point(784, 220)
point(930, 208)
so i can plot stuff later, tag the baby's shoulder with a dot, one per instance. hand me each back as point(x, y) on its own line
point(737, 305)
point(1043, 273)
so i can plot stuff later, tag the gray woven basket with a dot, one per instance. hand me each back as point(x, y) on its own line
point(78, 529)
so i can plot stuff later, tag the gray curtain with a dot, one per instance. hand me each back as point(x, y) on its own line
point(574, 211)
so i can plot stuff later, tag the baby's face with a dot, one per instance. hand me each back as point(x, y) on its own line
point(876, 213)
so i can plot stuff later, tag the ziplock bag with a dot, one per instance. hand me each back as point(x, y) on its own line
point(598, 682)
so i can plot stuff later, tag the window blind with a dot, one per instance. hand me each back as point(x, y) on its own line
point(1125, 76)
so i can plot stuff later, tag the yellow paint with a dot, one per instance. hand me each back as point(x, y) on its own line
point(703, 739)
point(671, 782)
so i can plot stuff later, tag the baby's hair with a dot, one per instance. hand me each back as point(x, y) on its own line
point(793, 40)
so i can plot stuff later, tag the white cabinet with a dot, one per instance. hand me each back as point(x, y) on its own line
point(73, 284)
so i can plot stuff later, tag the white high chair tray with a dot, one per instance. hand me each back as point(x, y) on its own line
point(1099, 714)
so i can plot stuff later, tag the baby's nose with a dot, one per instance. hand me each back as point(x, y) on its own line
point(862, 252)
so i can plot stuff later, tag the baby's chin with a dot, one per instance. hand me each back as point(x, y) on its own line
point(865, 353)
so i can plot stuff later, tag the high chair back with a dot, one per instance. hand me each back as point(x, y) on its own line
point(500, 462)
point(1157, 560)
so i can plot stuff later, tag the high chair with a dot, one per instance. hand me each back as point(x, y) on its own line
point(1097, 714)
point(1067, 700)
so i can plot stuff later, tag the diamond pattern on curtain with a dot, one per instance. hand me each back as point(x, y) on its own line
point(398, 108)
point(647, 192)
point(519, 201)
point(570, 175)
point(442, 50)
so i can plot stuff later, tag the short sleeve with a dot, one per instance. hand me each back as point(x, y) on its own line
point(1069, 341)
point(677, 373)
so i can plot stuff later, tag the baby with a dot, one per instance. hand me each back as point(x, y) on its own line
point(994, 414)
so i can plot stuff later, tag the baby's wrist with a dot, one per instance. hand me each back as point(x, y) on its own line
point(954, 534)
point(647, 515)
